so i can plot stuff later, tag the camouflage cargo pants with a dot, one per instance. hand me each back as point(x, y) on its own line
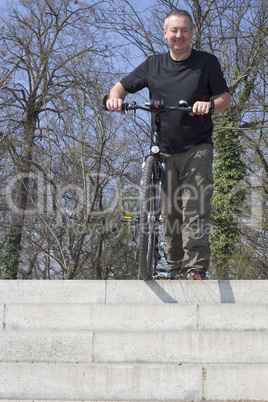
point(186, 209)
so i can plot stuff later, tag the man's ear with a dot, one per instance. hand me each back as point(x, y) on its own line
point(164, 32)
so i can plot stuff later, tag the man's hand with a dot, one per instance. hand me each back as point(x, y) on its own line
point(115, 105)
point(116, 98)
point(221, 102)
point(201, 108)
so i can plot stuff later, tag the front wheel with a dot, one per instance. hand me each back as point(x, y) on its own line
point(147, 231)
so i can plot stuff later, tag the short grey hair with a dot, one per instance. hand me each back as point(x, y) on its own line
point(178, 13)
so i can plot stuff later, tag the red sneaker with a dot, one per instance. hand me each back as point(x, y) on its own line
point(195, 275)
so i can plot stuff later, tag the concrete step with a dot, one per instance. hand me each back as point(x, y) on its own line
point(133, 341)
point(132, 382)
point(134, 347)
point(136, 317)
point(134, 292)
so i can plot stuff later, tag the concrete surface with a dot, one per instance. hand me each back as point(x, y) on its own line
point(133, 341)
point(150, 292)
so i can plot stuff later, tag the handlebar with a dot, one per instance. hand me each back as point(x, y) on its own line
point(152, 106)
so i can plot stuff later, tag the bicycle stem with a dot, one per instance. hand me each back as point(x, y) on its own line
point(156, 133)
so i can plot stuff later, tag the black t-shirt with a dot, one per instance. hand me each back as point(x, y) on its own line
point(196, 78)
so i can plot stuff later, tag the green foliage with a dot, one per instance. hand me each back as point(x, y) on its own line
point(228, 198)
point(9, 259)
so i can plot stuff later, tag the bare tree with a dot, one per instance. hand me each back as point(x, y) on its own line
point(37, 69)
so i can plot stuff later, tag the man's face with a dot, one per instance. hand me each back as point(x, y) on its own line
point(178, 34)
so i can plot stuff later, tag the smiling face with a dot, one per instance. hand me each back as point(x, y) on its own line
point(178, 33)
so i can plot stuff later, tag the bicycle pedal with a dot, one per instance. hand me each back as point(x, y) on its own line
point(165, 276)
point(127, 219)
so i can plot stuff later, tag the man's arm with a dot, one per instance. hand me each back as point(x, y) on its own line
point(116, 98)
point(222, 102)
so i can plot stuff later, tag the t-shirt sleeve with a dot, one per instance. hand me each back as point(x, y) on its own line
point(137, 79)
point(217, 83)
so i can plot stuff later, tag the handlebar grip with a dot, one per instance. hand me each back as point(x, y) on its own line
point(104, 100)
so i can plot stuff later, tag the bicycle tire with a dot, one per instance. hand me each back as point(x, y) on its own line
point(146, 230)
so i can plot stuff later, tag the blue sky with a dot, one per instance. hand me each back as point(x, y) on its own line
point(4, 3)
point(141, 3)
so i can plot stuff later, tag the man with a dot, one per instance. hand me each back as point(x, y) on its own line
point(195, 76)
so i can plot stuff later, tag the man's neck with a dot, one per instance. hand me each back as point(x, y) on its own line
point(179, 57)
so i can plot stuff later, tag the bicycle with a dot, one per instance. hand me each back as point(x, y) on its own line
point(148, 216)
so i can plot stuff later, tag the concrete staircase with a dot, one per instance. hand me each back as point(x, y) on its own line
point(134, 341)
